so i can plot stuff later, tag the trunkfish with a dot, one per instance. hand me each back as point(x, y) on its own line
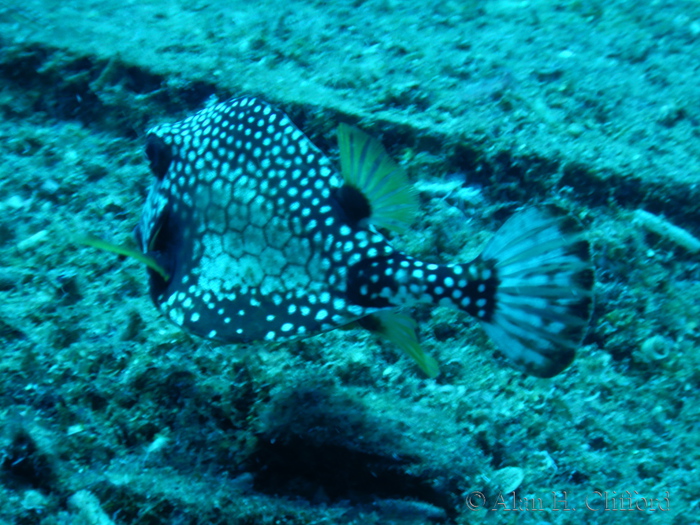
point(250, 234)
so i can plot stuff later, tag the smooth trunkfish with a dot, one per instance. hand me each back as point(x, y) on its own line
point(249, 233)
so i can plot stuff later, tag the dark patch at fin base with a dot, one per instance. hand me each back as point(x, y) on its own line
point(354, 204)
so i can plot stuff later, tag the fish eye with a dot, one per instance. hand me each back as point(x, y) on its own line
point(159, 155)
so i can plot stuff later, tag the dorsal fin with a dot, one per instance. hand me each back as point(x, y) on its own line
point(367, 168)
point(400, 329)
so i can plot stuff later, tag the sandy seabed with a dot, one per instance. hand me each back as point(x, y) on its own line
point(108, 414)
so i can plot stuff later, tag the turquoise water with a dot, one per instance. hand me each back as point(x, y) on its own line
point(110, 414)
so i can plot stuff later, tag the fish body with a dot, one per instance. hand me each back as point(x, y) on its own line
point(259, 237)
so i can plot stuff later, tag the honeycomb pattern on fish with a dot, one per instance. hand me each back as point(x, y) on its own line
point(250, 227)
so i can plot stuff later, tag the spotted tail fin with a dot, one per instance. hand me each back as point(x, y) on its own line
point(543, 298)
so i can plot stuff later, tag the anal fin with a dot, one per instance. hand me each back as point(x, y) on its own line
point(400, 329)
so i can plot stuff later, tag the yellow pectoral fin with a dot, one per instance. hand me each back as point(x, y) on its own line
point(107, 246)
point(400, 330)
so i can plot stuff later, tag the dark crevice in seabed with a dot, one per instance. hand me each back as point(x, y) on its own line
point(124, 99)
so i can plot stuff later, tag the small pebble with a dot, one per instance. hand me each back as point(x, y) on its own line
point(509, 479)
point(9, 279)
point(32, 241)
point(88, 508)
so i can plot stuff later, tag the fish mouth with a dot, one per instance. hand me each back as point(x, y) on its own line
point(163, 246)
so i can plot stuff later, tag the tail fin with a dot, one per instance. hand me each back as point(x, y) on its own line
point(544, 295)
